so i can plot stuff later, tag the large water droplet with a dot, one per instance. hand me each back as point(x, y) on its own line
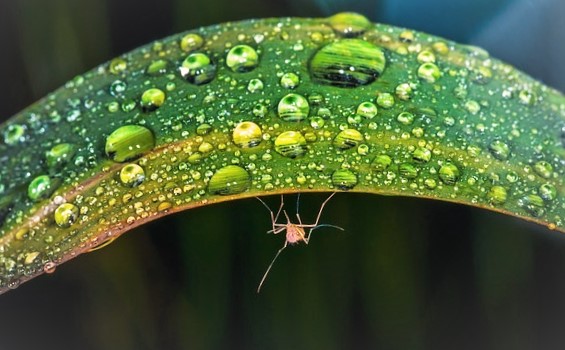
point(533, 204)
point(66, 214)
point(429, 72)
point(152, 99)
point(344, 179)
point(198, 69)
point(349, 24)
point(247, 134)
point(347, 63)
point(348, 138)
point(422, 155)
point(40, 187)
point(230, 179)
point(381, 162)
point(191, 42)
point(543, 169)
point(293, 108)
point(242, 58)
point(129, 142)
point(59, 155)
point(449, 173)
point(132, 175)
point(499, 150)
point(497, 195)
point(367, 110)
point(291, 144)
point(13, 134)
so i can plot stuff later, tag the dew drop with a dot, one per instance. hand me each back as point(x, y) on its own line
point(404, 91)
point(66, 214)
point(367, 110)
point(347, 63)
point(385, 100)
point(129, 142)
point(499, 150)
point(543, 169)
point(291, 144)
point(191, 42)
point(30, 257)
point(381, 162)
point(132, 175)
point(59, 155)
point(349, 24)
point(255, 85)
point(157, 67)
point(13, 134)
point(347, 139)
point(547, 192)
point(449, 174)
point(118, 65)
point(247, 135)
point(527, 97)
point(293, 108)
point(242, 58)
point(152, 99)
point(497, 195)
point(40, 188)
point(426, 56)
point(429, 72)
point(117, 88)
point(421, 155)
point(408, 171)
point(49, 267)
point(290, 81)
point(344, 179)
point(229, 180)
point(405, 118)
point(198, 69)
point(533, 204)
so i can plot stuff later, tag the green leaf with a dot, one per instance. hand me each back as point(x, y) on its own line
point(273, 106)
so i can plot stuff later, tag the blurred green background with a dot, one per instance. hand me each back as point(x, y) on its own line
point(406, 273)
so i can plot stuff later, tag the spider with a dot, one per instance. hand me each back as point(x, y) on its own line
point(294, 232)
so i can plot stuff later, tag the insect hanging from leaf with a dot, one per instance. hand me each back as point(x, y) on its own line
point(295, 232)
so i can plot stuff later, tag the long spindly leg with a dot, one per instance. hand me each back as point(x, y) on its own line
point(269, 268)
point(307, 238)
point(319, 213)
point(298, 209)
point(273, 217)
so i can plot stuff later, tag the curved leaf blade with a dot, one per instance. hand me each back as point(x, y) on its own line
point(273, 106)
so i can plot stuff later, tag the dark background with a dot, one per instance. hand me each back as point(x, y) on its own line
point(406, 273)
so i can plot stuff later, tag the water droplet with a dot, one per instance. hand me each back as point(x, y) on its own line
point(59, 155)
point(191, 42)
point(548, 192)
point(132, 175)
point(242, 58)
point(421, 155)
point(385, 100)
point(499, 150)
point(49, 267)
point(408, 171)
point(255, 85)
point(344, 179)
point(449, 174)
point(228, 180)
point(203, 129)
point(118, 65)
point(152, 99)
point(129, 142)
point(157, 67)
point(533, 204)
point(290, 80)
point(543, 169)
point(40, 187)
point(404, 91)
point(497, 195)
point(13, 134)
point(117, 88)
point(317, 122)
point(347, 63)
point(527, 97)
point(349, 24)
point(381, 162)
point(293, 108)
point(367, 110)
point(198, 69)
point(66, 214)
point(426, 56)
point(405, 118)
point(430, 183)
point(429, 72)
point(290, 144)
point(347, 139)
point(30, 258)
point(247, 135)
